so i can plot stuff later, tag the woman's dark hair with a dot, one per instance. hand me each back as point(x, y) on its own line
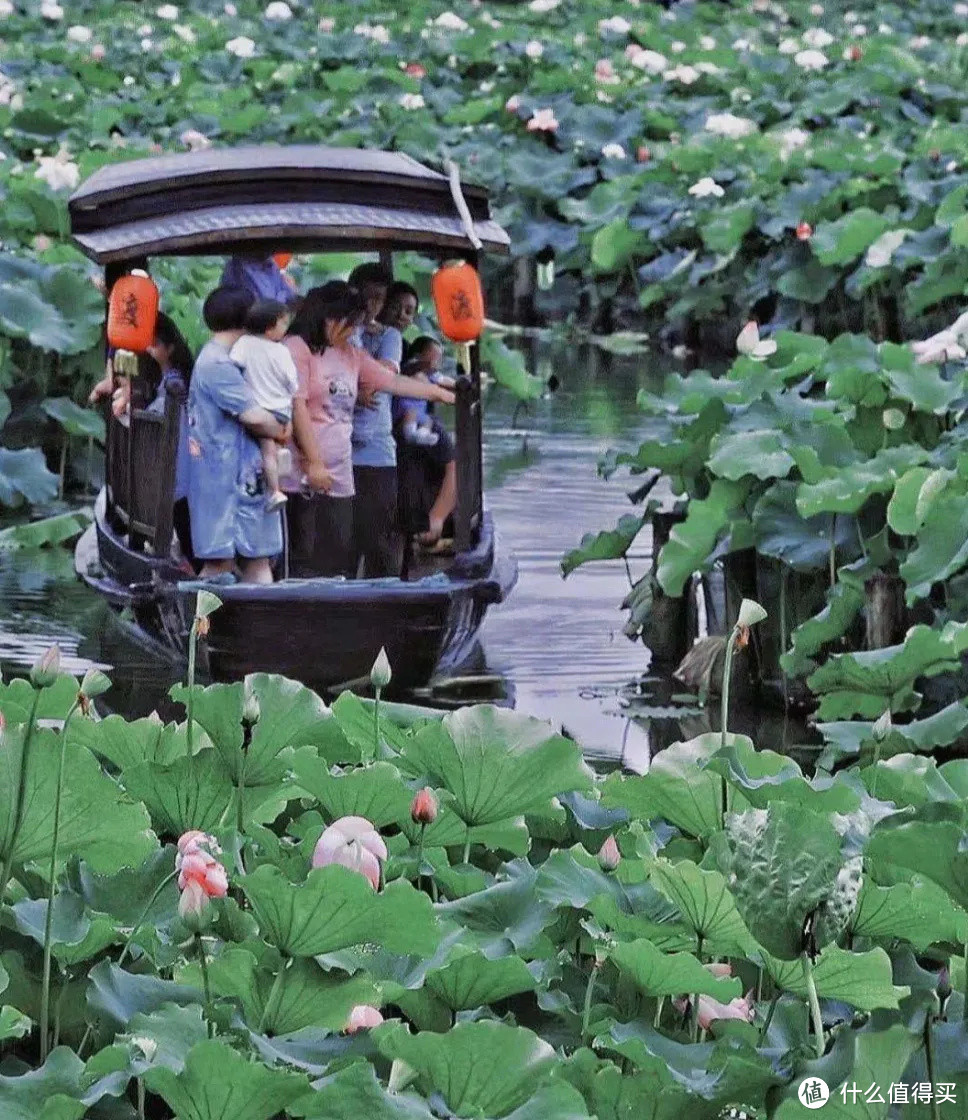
point(422, 344)
point(169, 335)
point(335, 301)
point(263, 314)
point(402, 288)
point(370, 273)
point(225, 309)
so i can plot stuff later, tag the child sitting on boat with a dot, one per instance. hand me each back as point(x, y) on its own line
point(271, 375)
point(414, 417)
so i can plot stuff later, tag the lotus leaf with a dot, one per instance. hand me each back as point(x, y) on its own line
point(669, 974)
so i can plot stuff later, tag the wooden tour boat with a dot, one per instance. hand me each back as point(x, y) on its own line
point(261, 200)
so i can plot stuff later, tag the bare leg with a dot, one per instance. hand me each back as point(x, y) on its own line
point(215, 568)
point(258, 570)
point(443, 505)
point(270, 464)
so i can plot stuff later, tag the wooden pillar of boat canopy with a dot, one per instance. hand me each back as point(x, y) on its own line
point(468, 438)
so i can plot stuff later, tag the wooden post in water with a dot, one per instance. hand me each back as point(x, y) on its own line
point(522, 291)
point(887, 620)
point(668, 633)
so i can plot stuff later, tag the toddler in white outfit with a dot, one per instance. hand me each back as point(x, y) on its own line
point(271, 375)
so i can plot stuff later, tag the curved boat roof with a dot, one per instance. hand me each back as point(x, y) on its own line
point(302, 198)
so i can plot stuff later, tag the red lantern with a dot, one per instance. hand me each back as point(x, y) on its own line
point(282, 260)
point(456, 288)
point(133, 313)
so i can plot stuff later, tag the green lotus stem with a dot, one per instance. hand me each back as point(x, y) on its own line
point(190, 706)
point(587, 1007)
point(929, 1059)
point(420, 847)
point(467, 846)
point(833, 550)
point(51, 888)
point(813, 1001)
point(62, 474)
point(144, 914)
point(694, 1002)
point(18, 812)
point(376, 723)
point(769, 1014)
point(274, 994)
point(724, 710)
point(658, 1012)
point(209, 1016)
point(783, 631)
point(141, 1098)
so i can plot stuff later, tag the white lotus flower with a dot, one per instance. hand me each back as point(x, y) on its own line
point(811, 60)
point(741, 45)
point(543, 5)
point(791, 140)
point(748, 342)
point(326, 24)
point(686, 75)
point(241, 47)
point(167, 12)
point(231, 10)
point(879, 254)
point(616, 25)
point(962, 40)
point(143, 30)
point(818, 38)
point(412, 101)
point(706, 188)
point(860, 31)
point(58, 172)
point(650, 61)
point(677, 47)
point(80, 34)
point(729, 125)
point(184, 33)
point(708, 68)
point(613, 151)
point(534, 48)
point(816, 10)
point(51, 10)
point(6, 9)
point(885, 29)
point(450, 21)
point(194, 140)
point(788, 46)
point(960, 10)
point(707, 43)
point(278, 11)
point(376, 32)
point(919, 42)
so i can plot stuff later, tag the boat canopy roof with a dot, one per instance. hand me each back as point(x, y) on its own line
point(259, 200)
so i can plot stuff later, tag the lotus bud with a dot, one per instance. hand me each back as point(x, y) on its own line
point(251, 709)
point(750, 613)
point(45, 671)
point(804, 231)
point(609, 857)
point(380, 674)
point(424, 807)
point(94, 684)
point(882, 728)
point(893, 419)
point(362, 1018)
point(193, 901)
point(642, 155)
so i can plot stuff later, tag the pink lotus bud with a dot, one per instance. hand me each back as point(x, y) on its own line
point(415, 70)
point(193, 900)
point(44, 673)
point(643, 154)
point(512, 104)
point(354, 843)
point(609, 857)
point(804, 231)
point(98, 51)
point(191, 841)
point(362, 1018)
point(425, 806)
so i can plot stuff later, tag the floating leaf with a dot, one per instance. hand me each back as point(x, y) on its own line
point(610, 544)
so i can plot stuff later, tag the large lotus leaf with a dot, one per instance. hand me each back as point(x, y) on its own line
point(52, 1092)
point(844, 603)
point(126, 894)
point(644, 912)
point(353, 721)
point(706, 905)
point(377, 792)
point(75, 421)
point(614, 245)
point(783, 864)
point(644, 1096)
point(803, 543)
point(902, 515)
point(922, 386)
point(497, 763)
point(509, 369)
point(306, 996)
point(572, 878)
point(762, 454)
point(17, 698)
point(24, 477)
point(218, 709)
point(868, 682)
point(13, 1023)
point(764, 776)
point(847, 489)
point(119, 996)
point(610, 544)
point(125, 743)
point(354, 1093)
point(219, 1082)
point(691, 543)
point(335, 908)
point(861, 1059)
point(502, 919)
point(843, 240)
point(470, 980)
point(188, 793)
point(936, 846)
point(60, 529)
point(25, 314)
point(669, 974)
point(448, 830)
point(75, 935)
point(864, 980)
point(480, 1069)
point(676, 789)
point(908, 780)
point(849, 739)
point(942, 547)
point(724, 229)
point(919, 912)
point(98, 822)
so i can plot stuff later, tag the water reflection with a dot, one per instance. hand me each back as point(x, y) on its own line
point(557, 645)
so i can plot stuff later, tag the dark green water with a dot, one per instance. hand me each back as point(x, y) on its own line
point(556, 648)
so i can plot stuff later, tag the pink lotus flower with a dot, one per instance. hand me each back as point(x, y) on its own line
point(424, 807)
point(512, 104)
point(354, 843)
point(711, 1009)
point(544, 120)
point(362, 1018)
point(415, 70)
point(804, 231)
point(609, 857)
point(98, 51)
point(605, 72)
point(192, 901)
point(200, 875)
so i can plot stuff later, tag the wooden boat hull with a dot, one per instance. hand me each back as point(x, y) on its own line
point(324, 632)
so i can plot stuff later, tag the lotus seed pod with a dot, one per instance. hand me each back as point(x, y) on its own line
point(95, 683)
point(750, 613)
